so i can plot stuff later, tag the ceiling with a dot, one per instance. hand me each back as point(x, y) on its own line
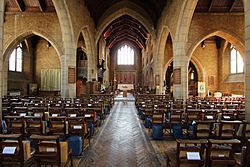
point(13, 6)
point(220, 6)
point(125, 28)
point(152, 7)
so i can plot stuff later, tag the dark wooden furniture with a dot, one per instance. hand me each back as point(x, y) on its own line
point(15, 124)
point(228, 129)
point(6, 156)
point(191, 152)
point(204, 129)
point(34, 125)
point(243, 159)
point(221, 152)
point(78, 126)
point(57, 125)
point(48, 152)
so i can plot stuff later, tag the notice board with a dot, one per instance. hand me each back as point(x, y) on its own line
point(177, 76)
point(71, 75)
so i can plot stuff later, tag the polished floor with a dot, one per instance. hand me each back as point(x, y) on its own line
point(121, 141)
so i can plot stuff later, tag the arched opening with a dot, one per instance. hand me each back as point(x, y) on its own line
point(82, 67)
point(222, 63)
point(168, 56)
point(33, 67)
point(192, 79)
point(151, 81)
point(120, 50)
point(169, 79)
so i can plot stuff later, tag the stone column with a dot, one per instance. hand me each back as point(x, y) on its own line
point(247, 57)
point(180, 86)
point(68, 59)
point(2, 4)
point(158, 68)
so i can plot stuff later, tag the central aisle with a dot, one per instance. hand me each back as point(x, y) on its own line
point(120, 141)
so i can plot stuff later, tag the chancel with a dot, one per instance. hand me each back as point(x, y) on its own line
point(125, 83)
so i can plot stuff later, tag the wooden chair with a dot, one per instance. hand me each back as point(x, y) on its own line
point(34, 125)
point(55, 111)
point(11, 151)
point(20, 111)
point(193, 115)
point(175, 117)
point(57, 125)
point(72, 112)
point(228, 129)
point(15, 124)
point(211, 114)
point(158, 117)
point(221, 152)
point(228, 114)
point(39, 111)
point(50, 153)
point(204, 129)
point(78, 126)
point(243, 159)
point(191, 152)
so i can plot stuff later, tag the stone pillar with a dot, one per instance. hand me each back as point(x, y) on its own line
point(180, 86)
point(2, 4)
point(158, 68)
point(247, 57)
point(68, 59)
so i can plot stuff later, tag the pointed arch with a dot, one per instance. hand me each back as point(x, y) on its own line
point(12, 43)
point(228, 36)
point(124, 8)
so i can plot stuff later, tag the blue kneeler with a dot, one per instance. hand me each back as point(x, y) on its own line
point(157, 131)
point(75, 143)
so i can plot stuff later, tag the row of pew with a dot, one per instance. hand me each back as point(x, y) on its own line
point(215, 130)
point(50, 126)
point(211, 152)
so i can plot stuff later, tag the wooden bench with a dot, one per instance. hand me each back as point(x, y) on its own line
point(191, 152)
point(221, 152)
point(49, 151)
point(11, 151)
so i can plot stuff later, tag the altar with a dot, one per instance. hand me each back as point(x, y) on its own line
point(125, 88)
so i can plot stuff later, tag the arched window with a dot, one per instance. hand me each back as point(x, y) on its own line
point(16, 59)
point(236, 61)
point(125, 56)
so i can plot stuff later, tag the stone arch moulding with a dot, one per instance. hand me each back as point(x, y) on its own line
point(165, 32)
point(160, 52)
point(90, 51)
point(127, 10)
point(199, 68)
point(228, 36)
point(165, 68)
point(15, 41)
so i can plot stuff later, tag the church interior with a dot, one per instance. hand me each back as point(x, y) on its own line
point(125, 83)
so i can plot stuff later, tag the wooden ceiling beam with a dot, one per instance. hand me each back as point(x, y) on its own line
point(125, 38)
point(126, 32)
point(135, 38)
point(232, 6)
point(133, 28)
point(211, 5)
point(42, 5)
point(21, 5)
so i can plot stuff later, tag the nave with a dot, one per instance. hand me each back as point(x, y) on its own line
point(121, 141)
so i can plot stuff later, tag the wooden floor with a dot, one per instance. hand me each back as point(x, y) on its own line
point(121, 141)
